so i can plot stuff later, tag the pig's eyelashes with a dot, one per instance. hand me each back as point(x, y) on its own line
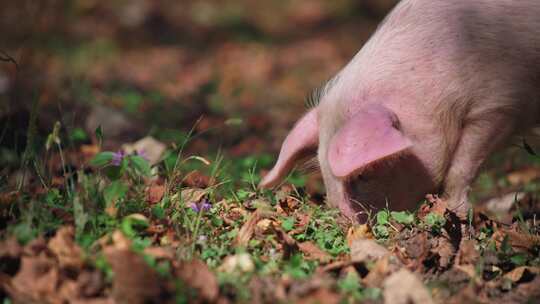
point(313, 99)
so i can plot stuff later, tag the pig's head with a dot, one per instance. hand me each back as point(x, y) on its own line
point(367, 161)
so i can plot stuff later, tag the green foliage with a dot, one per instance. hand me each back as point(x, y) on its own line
point(288, 223)
point(102, 159)
point(298, 268)
point(403, 217)
point(434, 222)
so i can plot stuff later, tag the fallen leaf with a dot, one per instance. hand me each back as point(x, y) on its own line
point(36, 280)
point(321, 295)
point(155, 193)
point(90, 283)
point(404, 287)
point(519, 273)
point(358, 232)
point(289, 244)
point(148, 147)
point(469, 270)
point(414, 251)
point(444, 249)
point(160, 252)
point(6, 199)
point(197, 275)
point(120, 241)
point(523, 176)
point(89, 151)
point(263, 226)
point(383, 267)
point(191, 195)
point(312, 252)
point(518, 240)
point(134, 280)
point(467, 253)
point(366, 249)
point(196, 179)
point(434, 205)
point(94, 301)
point(63, 246)
point(247, 230)
point(302, 220)
point(10, 248)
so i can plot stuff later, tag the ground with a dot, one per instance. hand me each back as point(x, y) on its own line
point(133, 135)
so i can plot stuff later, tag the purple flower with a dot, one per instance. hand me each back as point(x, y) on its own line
point(117, 158)
point(203, 205)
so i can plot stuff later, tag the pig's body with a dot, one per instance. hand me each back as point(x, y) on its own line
point(438, 87)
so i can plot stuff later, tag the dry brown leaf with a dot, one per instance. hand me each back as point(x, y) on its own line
point(302, 220)
point(89, 151)
point(382, 268)
point(134, 280)
point(365, 249)
point(321, 295)
point(415, 250)
point(517, 274)
point(68, 290)
point(155, 193)
point(312, 252)
point(94, 301)
point(404, 287)
point(197, 275)
point(160, 252)
point(289, 244)
point(263, 226)
point(10, 248)
point(469, 270)
point(149, 147)
point(8, 198)
point(444, 249)
point(196, 179)
point(518, 240)
point(523, 176)
point(36, 280)
point(435, 205)
point(192, 195)
point(247, 230)
point(467, 253)
point(90, 283)
point(120, 241)
point(358, 232)
point(62, 245)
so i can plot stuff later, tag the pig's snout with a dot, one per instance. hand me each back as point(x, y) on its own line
point(400, 182)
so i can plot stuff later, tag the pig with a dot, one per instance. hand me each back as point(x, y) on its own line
point(437, 88)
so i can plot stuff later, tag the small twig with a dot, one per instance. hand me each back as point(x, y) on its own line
point(7, 58)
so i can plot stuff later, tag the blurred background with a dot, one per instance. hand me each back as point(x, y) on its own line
point(235, 72)
point(155, 67)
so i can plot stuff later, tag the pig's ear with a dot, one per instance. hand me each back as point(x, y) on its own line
point(303, 138)
point(370, 135)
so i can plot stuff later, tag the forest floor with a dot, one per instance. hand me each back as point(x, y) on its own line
point(132, 138)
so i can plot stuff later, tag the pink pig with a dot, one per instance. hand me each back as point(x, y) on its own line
point(439, 86)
